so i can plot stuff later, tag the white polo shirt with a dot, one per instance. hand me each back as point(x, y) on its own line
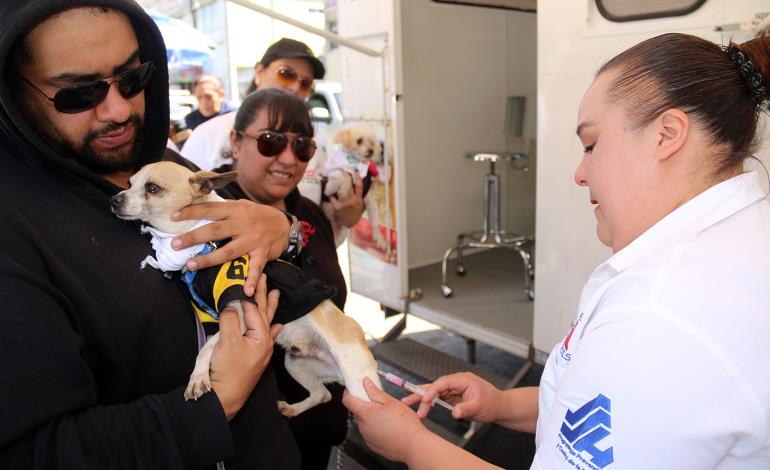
point(209, 144)
point(665, 365)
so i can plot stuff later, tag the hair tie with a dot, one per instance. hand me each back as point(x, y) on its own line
point(750, 75)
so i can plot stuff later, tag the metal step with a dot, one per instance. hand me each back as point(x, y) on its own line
point(422, 361)
point(340, 460)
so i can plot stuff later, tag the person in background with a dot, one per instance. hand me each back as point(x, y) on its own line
point(288, 64)
point(272, 143)
point(211, 101)
point(663, 366)
point(96, 351)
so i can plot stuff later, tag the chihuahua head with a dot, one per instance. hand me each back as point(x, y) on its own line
point(360, 140)
point(159, 189)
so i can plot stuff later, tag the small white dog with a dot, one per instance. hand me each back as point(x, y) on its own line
point(357, 151)
point(322, 346)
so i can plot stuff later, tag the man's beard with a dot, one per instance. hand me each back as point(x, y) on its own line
point(125, 158)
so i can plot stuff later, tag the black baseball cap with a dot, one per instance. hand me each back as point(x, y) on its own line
point(287, 48)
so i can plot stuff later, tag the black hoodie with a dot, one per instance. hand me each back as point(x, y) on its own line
point(95, 352)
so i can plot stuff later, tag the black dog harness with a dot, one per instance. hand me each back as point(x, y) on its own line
point(214, 287)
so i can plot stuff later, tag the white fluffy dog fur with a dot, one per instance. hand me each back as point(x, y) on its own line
point(323, 346)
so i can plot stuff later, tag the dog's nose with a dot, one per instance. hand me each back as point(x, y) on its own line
point(115, 201)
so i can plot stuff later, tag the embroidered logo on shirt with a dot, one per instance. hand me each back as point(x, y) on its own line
point(582, 433)
point(564, 351)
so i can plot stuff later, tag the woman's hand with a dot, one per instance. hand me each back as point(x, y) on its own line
point(387, 425)
point(239, 359)
point(473, 398)
point(257, 229)
point(349, 211)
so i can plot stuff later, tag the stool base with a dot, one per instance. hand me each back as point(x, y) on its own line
point(482, 239)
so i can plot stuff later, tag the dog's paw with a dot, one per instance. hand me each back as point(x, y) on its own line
point(198, 385)
point(286, 409)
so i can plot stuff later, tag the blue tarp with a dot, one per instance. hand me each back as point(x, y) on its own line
point(185, 45)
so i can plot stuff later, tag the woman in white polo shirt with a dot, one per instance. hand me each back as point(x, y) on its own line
point(664, 366)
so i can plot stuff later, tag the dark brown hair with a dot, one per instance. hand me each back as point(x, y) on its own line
point(285, 112)
point(697, 76)
point(21, 52)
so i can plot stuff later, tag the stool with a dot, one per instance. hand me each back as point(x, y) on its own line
point(491, 236)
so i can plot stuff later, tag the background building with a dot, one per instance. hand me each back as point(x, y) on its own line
point(242, 35)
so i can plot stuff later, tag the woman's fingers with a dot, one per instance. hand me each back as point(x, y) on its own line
point(412, 399)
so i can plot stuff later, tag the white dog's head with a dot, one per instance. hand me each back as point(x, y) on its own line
point(160, 189)
point(360, 140)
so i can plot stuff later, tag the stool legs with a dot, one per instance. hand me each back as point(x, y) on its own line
point(529, 271)
point(446, 291)
point(518, 247)
point(460, 269)
point(491, 236)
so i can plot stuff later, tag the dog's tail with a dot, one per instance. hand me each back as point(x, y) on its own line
point(345, 340)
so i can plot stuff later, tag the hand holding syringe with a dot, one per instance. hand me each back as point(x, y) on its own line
point(410, 387)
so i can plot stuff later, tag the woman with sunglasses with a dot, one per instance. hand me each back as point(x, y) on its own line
point(272, 143)
point(287, 64)
point(290, 65)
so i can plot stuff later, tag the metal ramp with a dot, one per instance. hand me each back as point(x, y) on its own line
point(428, 363)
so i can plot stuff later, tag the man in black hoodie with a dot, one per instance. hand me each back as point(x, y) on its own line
point(95, 353)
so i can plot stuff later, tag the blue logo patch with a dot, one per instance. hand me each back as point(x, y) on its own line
point(582, 430)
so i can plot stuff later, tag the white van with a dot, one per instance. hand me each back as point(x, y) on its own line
point(326, 107)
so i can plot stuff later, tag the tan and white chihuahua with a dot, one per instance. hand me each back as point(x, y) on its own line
point(322, 346)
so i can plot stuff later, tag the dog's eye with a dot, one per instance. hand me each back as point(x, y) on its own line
point(152, 188)
point(359, 141)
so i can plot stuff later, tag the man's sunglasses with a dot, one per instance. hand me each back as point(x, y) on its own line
point(288, 75)
point(272, 143)
point(84, 96)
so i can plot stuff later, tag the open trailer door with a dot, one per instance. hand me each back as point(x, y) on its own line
point(371, 95)
point(458, 80)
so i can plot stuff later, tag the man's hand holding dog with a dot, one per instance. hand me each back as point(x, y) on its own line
point(239, 359)
point(257, 229)
point(349, 210)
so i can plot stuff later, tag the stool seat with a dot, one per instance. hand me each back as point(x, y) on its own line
point(494, 157)
point(491, 236)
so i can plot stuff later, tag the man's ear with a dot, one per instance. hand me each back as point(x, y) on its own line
point(673, 130)
point(203, 182)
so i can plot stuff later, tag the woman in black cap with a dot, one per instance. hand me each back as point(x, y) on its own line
point(290, 65)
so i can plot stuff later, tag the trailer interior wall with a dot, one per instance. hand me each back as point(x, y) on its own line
point(574, 40)
point(459, 64)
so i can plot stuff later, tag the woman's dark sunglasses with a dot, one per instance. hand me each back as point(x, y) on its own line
point(84, 96)
point(272, 143)
point(288, 75)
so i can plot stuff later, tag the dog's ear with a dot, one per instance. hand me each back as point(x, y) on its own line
point(206, 181)
point(342, 137)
